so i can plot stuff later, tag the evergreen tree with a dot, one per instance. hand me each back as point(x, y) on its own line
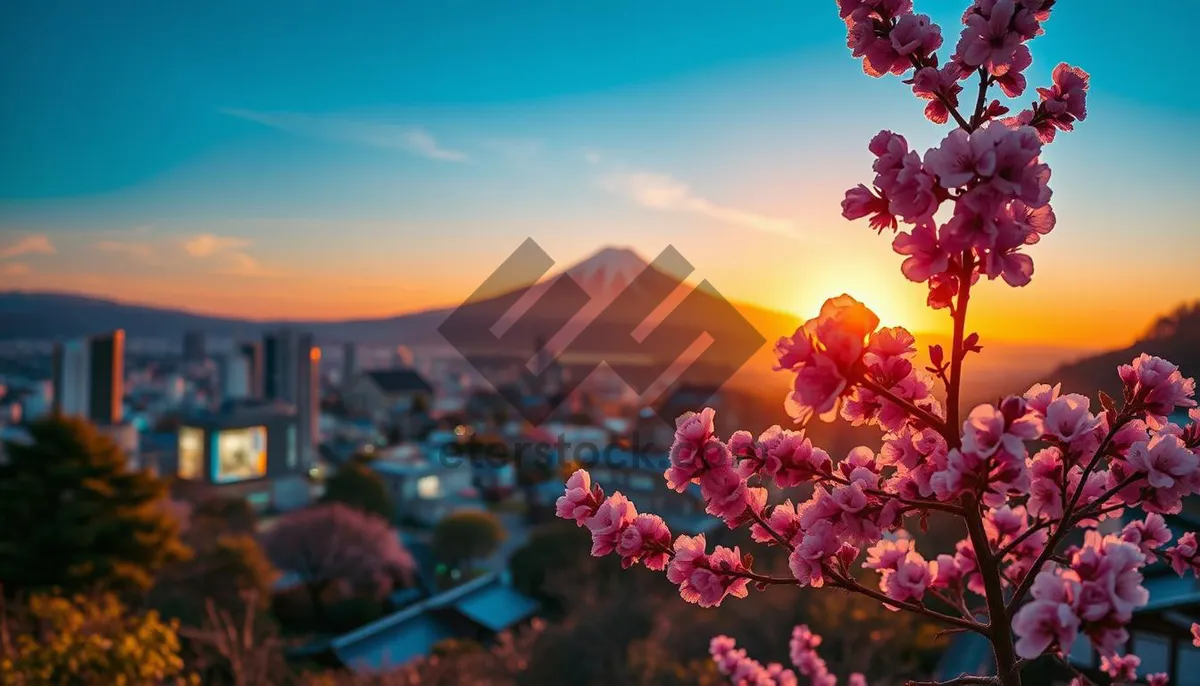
point(76, 517)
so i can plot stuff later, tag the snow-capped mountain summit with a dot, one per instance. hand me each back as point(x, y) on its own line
point(608, 271)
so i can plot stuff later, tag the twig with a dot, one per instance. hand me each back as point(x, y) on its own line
point(957, 681)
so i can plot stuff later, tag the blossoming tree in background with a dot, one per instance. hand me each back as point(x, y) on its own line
point(1020, 475)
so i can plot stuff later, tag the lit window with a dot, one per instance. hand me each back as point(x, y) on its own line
point(428, 487)
point(191, 453)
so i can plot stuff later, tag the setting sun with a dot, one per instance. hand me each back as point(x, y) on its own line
point(895, 302)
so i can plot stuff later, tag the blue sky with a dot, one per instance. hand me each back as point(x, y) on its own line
point(326, 160)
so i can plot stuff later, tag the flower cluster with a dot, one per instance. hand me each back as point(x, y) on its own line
point(615, 524)
point(803, 652)
point(989, 168)
point(844, 364)
point(1096, 595)
point(745, 671)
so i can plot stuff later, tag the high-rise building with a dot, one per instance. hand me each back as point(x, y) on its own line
point(252, 353)
point(349, 361)
point(239, 372)
point(233, 371)
point(89, 378)
point(290, 374)
point(194, 347)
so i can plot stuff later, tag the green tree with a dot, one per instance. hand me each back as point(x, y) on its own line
point(75, 516)
point(354, 484)
point(81, 640)
point(465, 536)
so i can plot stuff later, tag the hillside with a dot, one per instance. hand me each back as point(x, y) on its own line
point(1174, 336)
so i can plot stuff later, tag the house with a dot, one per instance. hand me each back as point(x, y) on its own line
point(425, 490)
point(247, 449)
point(477, 610)
point(382, 395)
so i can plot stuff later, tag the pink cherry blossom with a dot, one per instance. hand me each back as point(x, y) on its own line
point(741, 669)
point(1158, 679)
point(963, 157)
point(807, 561)
point(1182, 556)
point(647, 540)
point(987, 40)
point(925, 254)
point(1165, 459)
point(724, 491)
point(1068, 417)
point(1158, 385)
point(910, 578)
point(1120, 667)
point(1048, 619)
point(915, 34)
point(938, 86)
point(790, 458)
point(610, 520)
point(1147, 534)
point(695, 449)
point(580, 501)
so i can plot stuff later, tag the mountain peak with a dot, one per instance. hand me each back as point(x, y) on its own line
point(608, 270)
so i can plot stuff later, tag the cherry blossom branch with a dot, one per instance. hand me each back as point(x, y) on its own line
point(998, 629)
point(981, 99)
point(926, 416)
point(956, 349)
point(774, 534)
point(950, 106)
point(907, 502)
point(963, 680)
point(1065, 522)
point(958, 603)
point(847, 584)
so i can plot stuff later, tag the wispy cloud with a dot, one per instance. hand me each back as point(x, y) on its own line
point(228, 255)
point(15, 269)
point(207, 244)
point(141, 251)
point(369, 132)
point(33, 244)
point(242, 264)
point(666, 193)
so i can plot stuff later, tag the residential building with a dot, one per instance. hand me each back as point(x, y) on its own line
point(425, 490)
point(478, 610)
point(381, 394)
point(246, 449)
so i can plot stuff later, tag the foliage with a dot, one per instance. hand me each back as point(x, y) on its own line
point(75, 516)
point(552, 549)
point(965, 211)
point(354, 484)
point(82, 640)
point(225, 569)
point(335, 544)
point(468, 535)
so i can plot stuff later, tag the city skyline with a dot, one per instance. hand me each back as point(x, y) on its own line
point(369, 166)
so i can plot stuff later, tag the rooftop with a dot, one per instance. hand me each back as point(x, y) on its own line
point(399, 381)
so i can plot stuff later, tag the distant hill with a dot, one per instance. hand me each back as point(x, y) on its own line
point(604, 275)
point(1174, 336)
